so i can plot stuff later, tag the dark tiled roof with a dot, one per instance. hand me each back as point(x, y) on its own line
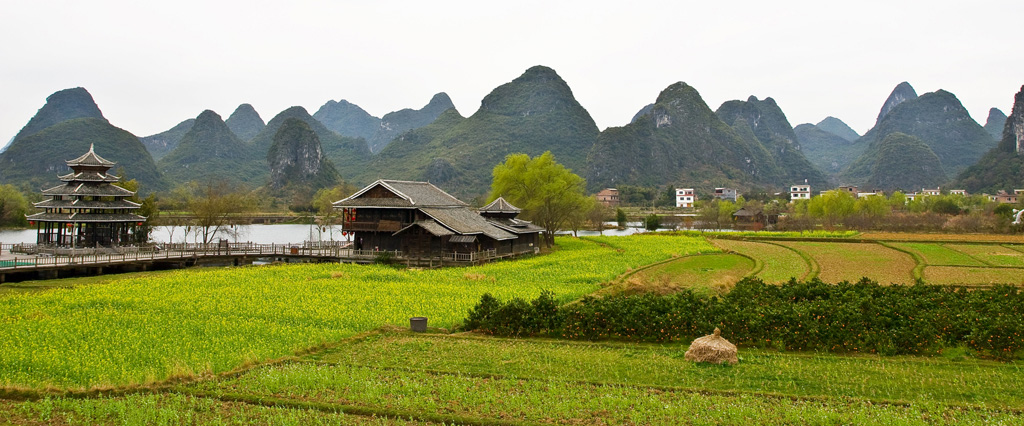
point(85, 217)
point(515, 226)
point(80, 204)
point(500, 206)
point(430, 226)
point(373, 202)
point(412, 194)
point(88, 176)
point(90, 159)
point(85, 189)
point(465, 221)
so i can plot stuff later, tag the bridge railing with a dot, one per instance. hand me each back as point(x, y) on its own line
point(68, 257)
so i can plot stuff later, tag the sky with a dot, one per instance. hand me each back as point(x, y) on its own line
point(150, 65)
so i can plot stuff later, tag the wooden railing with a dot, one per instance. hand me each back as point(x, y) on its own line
point(50, 256)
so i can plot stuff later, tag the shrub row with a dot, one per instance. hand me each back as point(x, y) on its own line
point(816, 316)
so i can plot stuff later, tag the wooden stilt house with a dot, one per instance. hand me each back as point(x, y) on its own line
point(419, 219)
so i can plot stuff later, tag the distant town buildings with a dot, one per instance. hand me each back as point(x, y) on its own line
point(685, 197)
point(927, 192)
point(962, 192)
point(852, 190)
point(609, 197)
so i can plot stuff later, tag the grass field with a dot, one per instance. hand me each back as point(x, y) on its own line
point(779, 263)
point(939, 255)
point(990, 254)
point(135, 331)
point(460, 380)
point(186, 323)
point(852, 261)
point(708, 275)
point(972, 275)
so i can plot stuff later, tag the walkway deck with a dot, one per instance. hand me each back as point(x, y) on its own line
point(27, 261)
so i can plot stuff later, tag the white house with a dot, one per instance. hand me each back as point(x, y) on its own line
point(799, 192)
point(685, 197)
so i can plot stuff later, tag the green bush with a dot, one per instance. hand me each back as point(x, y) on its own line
point(803, 316)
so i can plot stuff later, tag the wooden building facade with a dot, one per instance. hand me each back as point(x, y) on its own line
point(420, 220)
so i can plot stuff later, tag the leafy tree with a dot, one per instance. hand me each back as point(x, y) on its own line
point(898, 201)
point(874, 206)
point(620, 217)
point(652, 222)
point(548, 193)
point(579, 217)
point(13, 206)
point(323, 202)
point(831, 207)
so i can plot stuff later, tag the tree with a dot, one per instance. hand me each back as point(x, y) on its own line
point(148, 208)
point(598, 215)
point(215, 207)
point(831, 207)
point(13, 206)
point(652, 222)
point(548, 193)
point(323, 202)
point(620, 217)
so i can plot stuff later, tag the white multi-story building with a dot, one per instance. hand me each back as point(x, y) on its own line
point(799, 192)
point(685, 197)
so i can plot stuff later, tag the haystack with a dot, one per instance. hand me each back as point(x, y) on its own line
point(712, 348)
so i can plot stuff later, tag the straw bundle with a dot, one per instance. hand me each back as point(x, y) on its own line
point(712, 348)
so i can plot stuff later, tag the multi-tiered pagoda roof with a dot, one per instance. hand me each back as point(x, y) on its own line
point(87, 210)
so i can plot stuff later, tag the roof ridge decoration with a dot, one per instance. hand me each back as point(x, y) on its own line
point(90, 159)
point(417, 194)
point(500, 205)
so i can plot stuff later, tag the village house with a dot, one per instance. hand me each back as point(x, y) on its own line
point(685, 197)
point(928, 192)
point(609, 197)
point(418, 219)
point(962, 192)
point(799, 192)
point(728, 194)
point(1003, 197)
point(852, 190)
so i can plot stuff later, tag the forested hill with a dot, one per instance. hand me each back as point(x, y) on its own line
point(773, 130)
point(532, 114)
point(679, 141)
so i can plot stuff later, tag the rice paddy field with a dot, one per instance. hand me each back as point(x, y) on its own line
point(321, 344)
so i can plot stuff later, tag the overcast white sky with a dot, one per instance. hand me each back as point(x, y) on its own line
point(150, 65)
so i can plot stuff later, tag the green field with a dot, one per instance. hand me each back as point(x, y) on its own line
point(295, 344)
point(939, 255)
point(991, 254)
point(842, 261)
point(185, 323)
point(459, 380)
point(779, 263)
point(709, 274)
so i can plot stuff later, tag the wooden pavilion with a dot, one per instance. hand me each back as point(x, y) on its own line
point(419, 219)
point(87, 210)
